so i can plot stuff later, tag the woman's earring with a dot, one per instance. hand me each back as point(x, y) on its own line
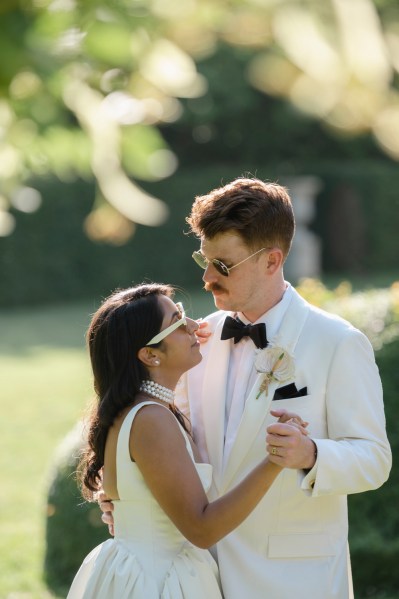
point(157, 362)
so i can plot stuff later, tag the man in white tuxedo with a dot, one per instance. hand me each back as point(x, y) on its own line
point(294, 544)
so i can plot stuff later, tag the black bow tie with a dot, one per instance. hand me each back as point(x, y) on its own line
point(234, 328)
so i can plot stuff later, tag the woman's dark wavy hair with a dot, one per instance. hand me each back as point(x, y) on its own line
point(123, 324)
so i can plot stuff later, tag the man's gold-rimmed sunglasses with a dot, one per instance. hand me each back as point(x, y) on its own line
point(218, 264)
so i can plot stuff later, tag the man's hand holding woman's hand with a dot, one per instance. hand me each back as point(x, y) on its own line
point(288, 442)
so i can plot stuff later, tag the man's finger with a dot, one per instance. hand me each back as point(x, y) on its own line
point(106, 506)
point(107, 518)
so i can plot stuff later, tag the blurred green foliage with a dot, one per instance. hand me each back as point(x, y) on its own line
point(49, 257)
point(95, 94)
point(234, 123)
point(88, 89)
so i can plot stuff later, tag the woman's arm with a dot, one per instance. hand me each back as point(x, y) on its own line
point(159, 450)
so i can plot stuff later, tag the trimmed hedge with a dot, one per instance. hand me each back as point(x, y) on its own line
point(374, 517)
point(73, 526)
point(49, 258)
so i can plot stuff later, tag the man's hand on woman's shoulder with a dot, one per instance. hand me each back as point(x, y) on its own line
point(107, 507)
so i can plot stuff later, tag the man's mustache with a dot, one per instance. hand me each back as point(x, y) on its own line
point(213, 287)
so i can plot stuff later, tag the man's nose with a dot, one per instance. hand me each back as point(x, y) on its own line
point(210, 274)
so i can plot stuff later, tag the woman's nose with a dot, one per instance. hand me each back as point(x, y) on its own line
point(193, 325)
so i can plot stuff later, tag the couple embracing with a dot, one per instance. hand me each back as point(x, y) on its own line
point(248, 447)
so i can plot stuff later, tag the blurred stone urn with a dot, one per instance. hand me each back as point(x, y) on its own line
point(304, 259)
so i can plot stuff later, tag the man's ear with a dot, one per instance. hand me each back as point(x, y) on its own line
point(275, 260)
point(148, 357)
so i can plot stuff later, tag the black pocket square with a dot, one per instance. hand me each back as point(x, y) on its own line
point(289, 391)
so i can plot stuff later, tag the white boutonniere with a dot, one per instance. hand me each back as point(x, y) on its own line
point(276, 364)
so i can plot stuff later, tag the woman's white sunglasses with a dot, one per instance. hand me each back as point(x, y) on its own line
point(172, 327)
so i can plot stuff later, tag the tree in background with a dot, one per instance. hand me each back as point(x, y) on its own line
point(86, 86)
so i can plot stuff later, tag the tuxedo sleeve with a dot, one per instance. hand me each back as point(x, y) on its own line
point(356, 456)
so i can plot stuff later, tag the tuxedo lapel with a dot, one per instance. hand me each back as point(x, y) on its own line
point(292, 325)
point(214, 399)
point(253, 418)
point(257, 410)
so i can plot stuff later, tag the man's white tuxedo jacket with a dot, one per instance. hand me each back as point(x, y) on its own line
point(294, 544)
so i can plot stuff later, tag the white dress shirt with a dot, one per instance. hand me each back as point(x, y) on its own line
point(242, 372)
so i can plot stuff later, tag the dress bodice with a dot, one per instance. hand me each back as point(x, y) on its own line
point(149, 557)
point(139, 519)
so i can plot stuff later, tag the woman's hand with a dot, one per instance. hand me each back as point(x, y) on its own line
point(202, 332)
point(291, 418)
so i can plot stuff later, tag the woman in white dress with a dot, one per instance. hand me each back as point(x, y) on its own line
point(141, 453)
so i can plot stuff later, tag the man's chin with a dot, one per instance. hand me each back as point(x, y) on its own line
point(219, 298)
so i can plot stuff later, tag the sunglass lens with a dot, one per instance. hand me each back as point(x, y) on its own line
point(220, 267)
point(203, 263)
point(200, 259)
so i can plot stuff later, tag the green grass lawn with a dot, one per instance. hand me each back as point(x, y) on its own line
point(45, 388)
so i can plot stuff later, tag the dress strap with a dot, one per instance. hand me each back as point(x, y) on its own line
point(122, 448)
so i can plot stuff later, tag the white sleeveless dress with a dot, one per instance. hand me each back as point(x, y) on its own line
point(148, 558)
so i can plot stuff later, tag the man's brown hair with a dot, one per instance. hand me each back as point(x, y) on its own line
point(261, 213)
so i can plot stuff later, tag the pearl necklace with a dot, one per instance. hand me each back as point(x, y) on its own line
point(158, 391)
